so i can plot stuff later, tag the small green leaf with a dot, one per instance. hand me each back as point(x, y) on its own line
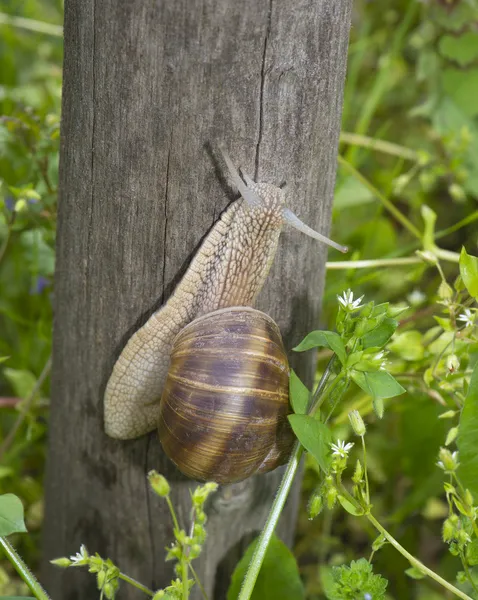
point(472, 552)
point(469, 272)
point(21, 380)
point(314, 436)
point(349, 507)
point(11, 515)
point(444, 322)
point(324, 339)
point(379, 336)
point(278, 579)
point(378, 384)
point(415, 573)
point(460, 48)
point(467, 436)
point(299, 394)
point(4, 358)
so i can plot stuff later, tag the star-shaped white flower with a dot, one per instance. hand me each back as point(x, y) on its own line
point(341, 448)
point(81, 557)
point(348, 302)
point(467, 317)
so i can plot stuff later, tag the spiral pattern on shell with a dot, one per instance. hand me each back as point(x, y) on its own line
point(224, 407)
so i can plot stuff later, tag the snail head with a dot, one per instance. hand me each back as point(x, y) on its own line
point(269, 198)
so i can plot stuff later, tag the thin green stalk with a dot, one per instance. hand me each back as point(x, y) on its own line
point(198, 582)
point(272, 519)
point(467, 571)
point(385, 201)
point(31, 25)
point(22, 569)
point(367, 490)
point(466, 221)
point(4, 246)
point(365, 141)
point(25, 408)
point(184, 570)
point(372, 263)
point(136, 584)
point(414, 561)
point(279, 501)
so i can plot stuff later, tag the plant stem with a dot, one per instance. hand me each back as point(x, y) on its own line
point(414, 561)
point(385, 201)
point(184, 571)
point(381, 145)
point(25, 408)
point(367, 490)
point(372, 263)
point(23, 570)
point(136, 584)
point(272, 519)
point(281, 497)
point(198, 581)
point(32, 25)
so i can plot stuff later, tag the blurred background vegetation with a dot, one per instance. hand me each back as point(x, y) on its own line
point(409, 138)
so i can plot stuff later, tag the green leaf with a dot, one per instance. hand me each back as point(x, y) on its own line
point(314, 436)
point(21, 380)
point(461, 86)
point(378, 384)
point(379, 336)
point(472, 552)
point(278, 578)
point(469, 272)
point(462, 49)
point(415, 573)
point(324, 339)
point(467, 437)
point(11, 515)
point(299, 394)
point(349, 507)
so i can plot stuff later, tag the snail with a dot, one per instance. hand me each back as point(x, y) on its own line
point(208, 370)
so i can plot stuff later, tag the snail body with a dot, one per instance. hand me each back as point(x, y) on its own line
point(227, 271)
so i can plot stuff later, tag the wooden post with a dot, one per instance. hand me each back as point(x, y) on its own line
point(149, 88)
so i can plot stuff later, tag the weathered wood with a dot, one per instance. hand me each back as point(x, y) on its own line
point(150, 88)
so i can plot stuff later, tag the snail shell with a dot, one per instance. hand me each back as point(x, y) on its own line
point(223, 411)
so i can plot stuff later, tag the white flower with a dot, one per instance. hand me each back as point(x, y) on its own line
point(348, 302)
point(467, 317)
point(81, 557)
point(341, 448)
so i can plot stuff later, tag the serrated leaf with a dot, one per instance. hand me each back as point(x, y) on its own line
point(469, 272)
point(324, 339)
point(378, 384)
point(11, 515)
point(299, 394)
point(380, 335)
point(278, 579)
point(467, 436)
point(314, 436)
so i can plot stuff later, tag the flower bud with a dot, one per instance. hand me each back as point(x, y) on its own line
point(357, 422)
point(358, 473)
point(158, 483)
point(452, 363)
point(445, 291)
point(448, 461)
point(331, 497)
point(61, 562)
point(315, 505)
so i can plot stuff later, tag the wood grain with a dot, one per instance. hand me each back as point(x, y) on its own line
point(150, 89)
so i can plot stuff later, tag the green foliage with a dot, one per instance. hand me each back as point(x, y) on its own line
point(357, 581)
point(11, 515)
point(468, 436)
point(278, 578)
point(299, 394)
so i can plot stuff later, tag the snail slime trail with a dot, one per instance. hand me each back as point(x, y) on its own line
point(176, 372)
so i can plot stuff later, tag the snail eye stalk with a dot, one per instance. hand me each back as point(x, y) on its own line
point(294, 221)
